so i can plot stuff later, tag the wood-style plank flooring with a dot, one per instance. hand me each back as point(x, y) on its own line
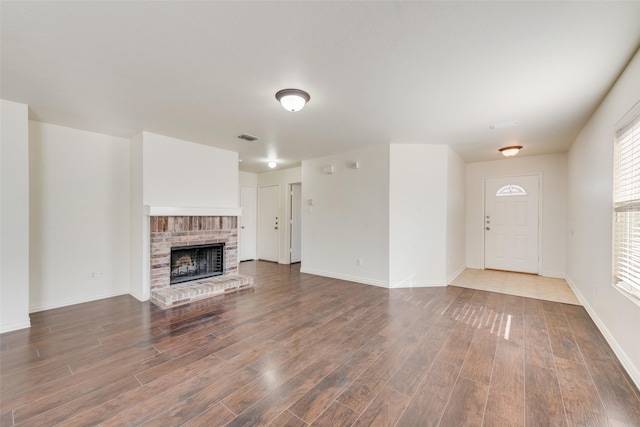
point(302, 350)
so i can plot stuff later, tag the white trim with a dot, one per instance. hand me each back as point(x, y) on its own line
point(255, 222)
point(553, 274)
point(627, 363)
point(140, 297)
point(421, 284)
point(15, 326)
point(190, 211)
point(540, 176)
point(633, 297)
point(72, 301)
point(258, 229)
point(287, 225)
point(362, 280)
point(405, 283)
point(453, 276)
point(288, 219)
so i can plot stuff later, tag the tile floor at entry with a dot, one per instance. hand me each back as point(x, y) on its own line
point(523, 285)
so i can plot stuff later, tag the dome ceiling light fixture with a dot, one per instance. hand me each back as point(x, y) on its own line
point(272, 164)
point(510, 151)
point(292, 99)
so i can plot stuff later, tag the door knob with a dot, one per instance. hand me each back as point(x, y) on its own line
point(275, 228)
point(487, 228)
point(242, 227)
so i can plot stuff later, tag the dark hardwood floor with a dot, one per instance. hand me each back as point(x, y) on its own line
point(304, 350)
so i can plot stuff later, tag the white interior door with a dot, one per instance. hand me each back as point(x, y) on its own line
point(511, 224)
point(296, 228)
point(248, 223)
point(268, 223)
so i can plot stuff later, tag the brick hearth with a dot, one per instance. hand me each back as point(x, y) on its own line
point(177, 231)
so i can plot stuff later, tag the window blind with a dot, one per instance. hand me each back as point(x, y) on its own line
point(626, 246)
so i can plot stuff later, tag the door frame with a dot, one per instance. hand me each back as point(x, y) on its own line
point(288, 215)
point(255, 223)
point(258, 215)
point(540, 220)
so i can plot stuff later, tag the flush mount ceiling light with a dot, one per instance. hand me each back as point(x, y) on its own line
point(292, 99)
point(272, 164)
point(510, 151)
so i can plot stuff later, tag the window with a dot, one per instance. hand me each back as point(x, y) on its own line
point(511, 190)
point(626, 206)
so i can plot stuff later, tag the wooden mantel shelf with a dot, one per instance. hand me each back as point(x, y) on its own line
point(190, 211)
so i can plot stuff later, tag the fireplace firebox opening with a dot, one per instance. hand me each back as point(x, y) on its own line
point(196, 262)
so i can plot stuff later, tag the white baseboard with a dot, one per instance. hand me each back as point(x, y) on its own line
point(553, 274)
point(410, 283)
point(407, 283)
point(455, 274)
point(340, 276)
point(72, 301)
point(14, 326)
point(137, 295)
point(627, 363)
point(423, 284)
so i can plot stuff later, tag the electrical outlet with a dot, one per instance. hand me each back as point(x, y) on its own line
point(97, 275)
point(359, 262)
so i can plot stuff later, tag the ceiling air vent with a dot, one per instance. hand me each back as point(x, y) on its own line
point(248, 137)
point(504, 125)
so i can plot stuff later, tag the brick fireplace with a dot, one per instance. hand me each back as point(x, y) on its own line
point(167, 232)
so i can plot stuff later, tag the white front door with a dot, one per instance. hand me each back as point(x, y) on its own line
point(296, 214)
point(248, 223)
point(511, 224)
point(268, 223)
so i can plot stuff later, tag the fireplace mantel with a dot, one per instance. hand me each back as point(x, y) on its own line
point(190, 211)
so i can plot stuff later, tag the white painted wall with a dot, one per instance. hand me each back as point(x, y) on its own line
point(426, 215)
point(417, 215)
point(180, 173)
point(281, 178)
point(553, 200)
point(350, 217)
point(456, 215)
point(79, 215)
point(170, 172)
point(138, 224)
point(589, 271)
point(14, 216)
point(248, 178)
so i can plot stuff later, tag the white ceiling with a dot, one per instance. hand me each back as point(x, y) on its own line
point(377, 72)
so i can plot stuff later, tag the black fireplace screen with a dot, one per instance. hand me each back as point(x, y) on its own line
point(196, 262)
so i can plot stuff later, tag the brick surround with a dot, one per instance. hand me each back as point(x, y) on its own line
point(176, 231)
